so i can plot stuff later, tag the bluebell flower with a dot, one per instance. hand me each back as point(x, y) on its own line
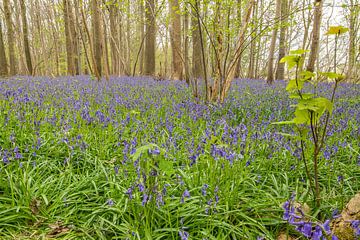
point(186, 194)
point(184, 235)
point(110, 202)
point(326, 227)
point(203, 189)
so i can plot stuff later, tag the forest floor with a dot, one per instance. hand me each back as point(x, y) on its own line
point(135, 158)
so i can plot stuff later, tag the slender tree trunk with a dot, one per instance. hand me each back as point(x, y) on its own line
point(251, 68)
point(270, 72)
point(97, 38)
point(128, 38)
point(352, 37)
point(114, 38)
point(68, 38)
point(142, 35)
point(26, 38)
point(218, 53)
point(315, 36)
point(186, 47)
point(230, 73)
point(3, 61)
point(74, 39)
point(306, 23)
point(175, 38)
point(150, 38)
point(196, 47)
point(10, 38)
point(238, 16)
point(280, 72)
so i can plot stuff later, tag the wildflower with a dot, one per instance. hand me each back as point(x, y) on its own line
point(186, 194)
point(184, 235)
point(317, 234)
point(129, 192)
point(145, 199)
point(110, 202)
point(203, 189)
point(326, 227)
point(116, 169)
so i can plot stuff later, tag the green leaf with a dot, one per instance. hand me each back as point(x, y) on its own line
point(166, 167)
point(291, 60)
point(307, 75)
point(143, 149)
point(301, 116)
point(337, 30)
point(293, 86)
point(304, 96)
point(332, 75)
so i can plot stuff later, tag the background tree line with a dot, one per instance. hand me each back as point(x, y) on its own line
point(177, 39)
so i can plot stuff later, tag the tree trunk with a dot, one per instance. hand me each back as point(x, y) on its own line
point(114, 38)
point(175, 38)
point(3, 61)
point(186, 47)
point(68, 39)
point(196, 47)
point(26, 38)
point(97, 39)
point(128, 40)
point(315, 35)
point(150, 38)
point(280, 72)
point(230, 73)
point(270, 72)
point(352, 38)
point(251, 68)
point(142, 35)
point(74, 39)
point(10, 38)
point(238, 16)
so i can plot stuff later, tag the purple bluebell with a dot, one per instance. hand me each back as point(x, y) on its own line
point(184, 235)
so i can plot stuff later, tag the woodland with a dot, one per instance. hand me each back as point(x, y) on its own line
point(180, 119)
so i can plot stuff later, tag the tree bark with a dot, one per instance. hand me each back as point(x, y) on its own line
point(270, 72)
point(196, 47)
point(3, 61)
point(230, 73)
point(315, 36)
point(186, 47)
point(114, 38)
point(280, 72)
point(150, 38)
point(26, 38)
point(68, 39)
point(175, 38)
point(97, 39)
point(10, 38)
point(353, 16)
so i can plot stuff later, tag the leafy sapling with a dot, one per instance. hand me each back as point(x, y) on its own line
point(312, 112)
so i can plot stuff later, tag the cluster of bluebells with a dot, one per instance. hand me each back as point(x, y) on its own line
point(311, 230)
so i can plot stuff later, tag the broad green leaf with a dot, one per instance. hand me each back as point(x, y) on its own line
point(306, 75)
point(293, 86)
point(166, 166)
point(304, 96)
point(337, 30)
point(332, 75)
point(301, 116)
point(325, 103)
point(291, 60)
